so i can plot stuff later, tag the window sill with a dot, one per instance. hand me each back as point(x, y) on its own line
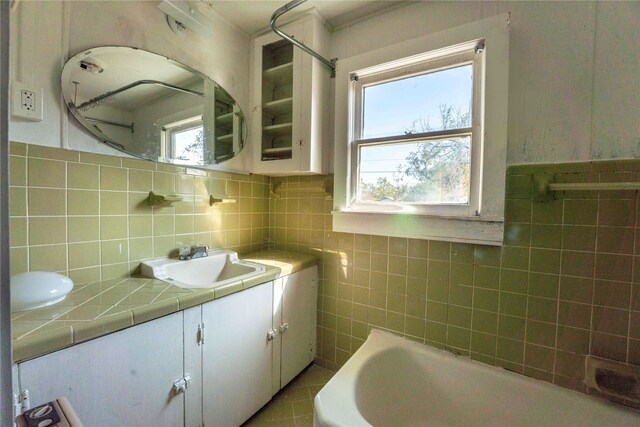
point(454, 229)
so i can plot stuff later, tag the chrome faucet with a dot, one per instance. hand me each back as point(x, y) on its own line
point(192, 252)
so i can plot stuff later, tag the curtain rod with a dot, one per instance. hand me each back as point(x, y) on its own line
point(281, 11)
point(110, 95)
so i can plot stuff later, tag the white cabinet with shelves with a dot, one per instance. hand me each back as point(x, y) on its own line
point(228, 127)
point(290, 95)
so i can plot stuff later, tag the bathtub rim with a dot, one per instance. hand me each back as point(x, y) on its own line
point(329, 404)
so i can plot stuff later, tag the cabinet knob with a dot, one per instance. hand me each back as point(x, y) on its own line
point(271, 334)
point(284, 327)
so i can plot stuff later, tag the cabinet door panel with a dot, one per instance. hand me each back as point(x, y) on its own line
point(277, 339)
point(193, 367)
point(237, 356)
point(299, 298)
point(122, 379)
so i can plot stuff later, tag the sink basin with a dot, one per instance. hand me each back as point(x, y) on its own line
point(217, 269)
point(36, 289)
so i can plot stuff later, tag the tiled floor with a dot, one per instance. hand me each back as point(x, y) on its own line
point(293, 405)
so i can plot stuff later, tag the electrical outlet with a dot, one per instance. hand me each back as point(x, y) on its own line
point(26, 101)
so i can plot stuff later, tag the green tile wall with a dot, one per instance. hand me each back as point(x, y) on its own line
point(565, 284)
point(86, 215)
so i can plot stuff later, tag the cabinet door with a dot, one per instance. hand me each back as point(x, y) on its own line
point(299, 296)
point(277, 339)
point(193, 366)
point(122, 379)
point(236, 365)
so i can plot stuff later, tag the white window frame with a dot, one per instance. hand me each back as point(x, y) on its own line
point(167, 150)
point(480, 221)
point(177, 127)
point(465, 54)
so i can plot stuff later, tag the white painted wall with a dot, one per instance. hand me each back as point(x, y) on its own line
point(573, 84)
point(574, 73)
point(44, 34)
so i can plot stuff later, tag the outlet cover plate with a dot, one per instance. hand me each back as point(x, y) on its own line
point(26, 101)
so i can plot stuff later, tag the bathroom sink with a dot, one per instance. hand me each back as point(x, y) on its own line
point(36, 289)
point(218, 268)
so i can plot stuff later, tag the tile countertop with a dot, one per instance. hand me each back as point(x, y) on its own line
point(99, 308)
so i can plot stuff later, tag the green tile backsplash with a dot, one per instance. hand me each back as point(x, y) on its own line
point(86, 215)
point(565, 284)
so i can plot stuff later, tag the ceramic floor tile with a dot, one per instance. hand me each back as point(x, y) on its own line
point(302, 408)
point(294, 394)
point(293, 405)
point(304, 421)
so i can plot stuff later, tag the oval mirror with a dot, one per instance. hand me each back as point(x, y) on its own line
point(152, 107)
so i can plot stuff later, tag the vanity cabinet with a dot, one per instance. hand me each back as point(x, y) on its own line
point(291, 100)
point(121, 379)
point(294, 319)
point(231, 355)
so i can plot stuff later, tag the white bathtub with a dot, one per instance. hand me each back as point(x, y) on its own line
point(391, 381)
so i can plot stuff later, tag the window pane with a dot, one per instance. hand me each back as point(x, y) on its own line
point(428, 172)
point(188, 145)
point(428, 102)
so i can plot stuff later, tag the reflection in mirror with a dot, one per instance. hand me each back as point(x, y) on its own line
point(152, 107)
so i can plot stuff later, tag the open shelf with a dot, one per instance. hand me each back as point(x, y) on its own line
point(317, 188)
point(277, 130)
point(277, 101)
point(276, 153)
point(225, 138)
point(225, 119)
point(279, 74)
point(276, 150)
point(278, 107)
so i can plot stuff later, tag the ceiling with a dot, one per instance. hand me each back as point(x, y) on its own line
point(252, 16)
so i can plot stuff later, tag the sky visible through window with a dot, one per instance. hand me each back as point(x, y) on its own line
point(401, 106)
point(186, 144)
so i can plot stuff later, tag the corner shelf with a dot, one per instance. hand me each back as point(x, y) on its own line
point(278, 107)
point(279, 74)
point(225, 119)
point(225, 138)
point(276, 153)
point(288, 142)
point(278, 130)
point(322, 188)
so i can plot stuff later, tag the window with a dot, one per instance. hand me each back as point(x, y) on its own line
point(420, 136)
point(416, 137)
point(184, 140)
